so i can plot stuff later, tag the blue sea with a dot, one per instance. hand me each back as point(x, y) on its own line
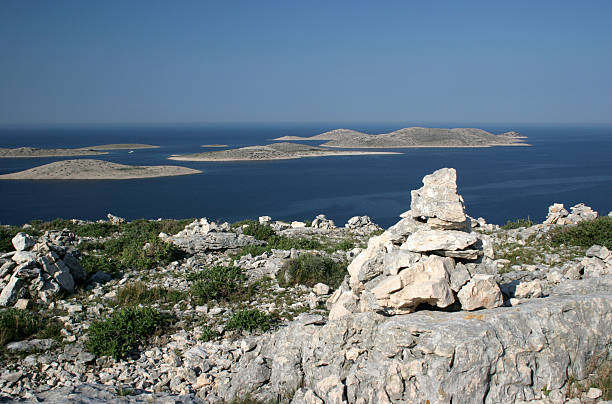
point(567, 164)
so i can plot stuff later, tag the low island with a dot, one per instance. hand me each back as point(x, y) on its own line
point(274, 151)
point(28, 152)
point(89, 169)
point(415, 137)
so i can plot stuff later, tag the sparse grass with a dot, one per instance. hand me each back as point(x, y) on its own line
point(124, 330)
point(249, 320)
point(310, 269)
point(220, 283)
point(94, 263)
point(16, 325)
point(601, 378)
point(259, 231)
point(280, 243)
point(584, 234)
point(517, 224)
point(137, 293)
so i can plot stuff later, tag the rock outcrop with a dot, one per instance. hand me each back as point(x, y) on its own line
point(417, 261)
point(557, 214)
point(202, 235)
point(362, 225)
point(502, 355)
point(40, 270)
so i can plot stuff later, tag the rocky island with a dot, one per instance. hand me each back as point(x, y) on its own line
point(89, 169)
point(26, 152)
point(274, 151)
point(439, 308)
point(415, 137)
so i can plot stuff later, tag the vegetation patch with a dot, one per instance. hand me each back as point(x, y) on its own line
point(310, 269)
point(137, 293)
point(208, 334)
point(218, 283)
point(258, 230)
point(124, 330)
point(16, 325)
point(584, 234)
point(517, 224)
point(249, 320)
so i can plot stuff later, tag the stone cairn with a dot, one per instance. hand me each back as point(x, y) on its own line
point(421, 259)
point(557, 214)
point(40, 269)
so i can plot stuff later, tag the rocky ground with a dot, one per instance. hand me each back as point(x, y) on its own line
point(440, 307)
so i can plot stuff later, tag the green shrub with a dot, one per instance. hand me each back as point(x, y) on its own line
point(123, 331)
point(94, 263)
point(249, 320)
point(216, 283)
point(52, 330)
point(16, 325)
point(6, 235)
point(137, 293)
point(259, 231)
point(584, 234)
point(517, 223)
point(309, 269)
point(208, 334)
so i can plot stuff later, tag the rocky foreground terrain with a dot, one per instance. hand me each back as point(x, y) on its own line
point(89, 169)
point(415, 137)
point(274, 151)
point(438, 308)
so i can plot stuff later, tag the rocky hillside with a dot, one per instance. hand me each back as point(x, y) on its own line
point(440, 307)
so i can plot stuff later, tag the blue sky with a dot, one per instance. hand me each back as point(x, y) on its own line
point(301, 61)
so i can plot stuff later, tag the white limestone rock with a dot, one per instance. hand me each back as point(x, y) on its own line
point(433, 240)
point(23, 241)
point(480, 292)
point(438, 199)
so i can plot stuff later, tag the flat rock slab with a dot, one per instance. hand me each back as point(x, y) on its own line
point(213, 241)
point(434, 240)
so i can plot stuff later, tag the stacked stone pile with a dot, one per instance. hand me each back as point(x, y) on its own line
point(322, 222)
point(202, 236)
point(362, 225)
point(40, 269)
point(423, 259)
point(557, 214)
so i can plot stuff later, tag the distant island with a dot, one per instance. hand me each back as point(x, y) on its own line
point(213, 145)
point(89, 169)
point(27, 152)
point(415, 137)
point(274, 151)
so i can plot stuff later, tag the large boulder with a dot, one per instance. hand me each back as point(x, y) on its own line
point(438, 200)
point(480, 292)
point(23, 241)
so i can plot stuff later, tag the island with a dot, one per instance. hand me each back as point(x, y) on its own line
point(214, 145)
point(414, 137)
point(89, 169)
point(28, 152)
point(274, 151)
point(122, 146)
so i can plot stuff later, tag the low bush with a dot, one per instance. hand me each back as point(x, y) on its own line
point(249, 320)
point(259, 231)
point(216, 283)
point(124, 330)
point(16, 325)
point(6, 235)
point(517, 223)
point(584, 234)
point(137, 293)
point(310, 269)
point(94, 263)
point(208, 334)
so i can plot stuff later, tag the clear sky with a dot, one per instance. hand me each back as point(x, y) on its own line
point(274, 61)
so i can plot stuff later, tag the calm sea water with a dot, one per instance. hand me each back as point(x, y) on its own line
point(565, 164)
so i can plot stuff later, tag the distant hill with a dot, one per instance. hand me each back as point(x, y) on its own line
point(415, 137)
